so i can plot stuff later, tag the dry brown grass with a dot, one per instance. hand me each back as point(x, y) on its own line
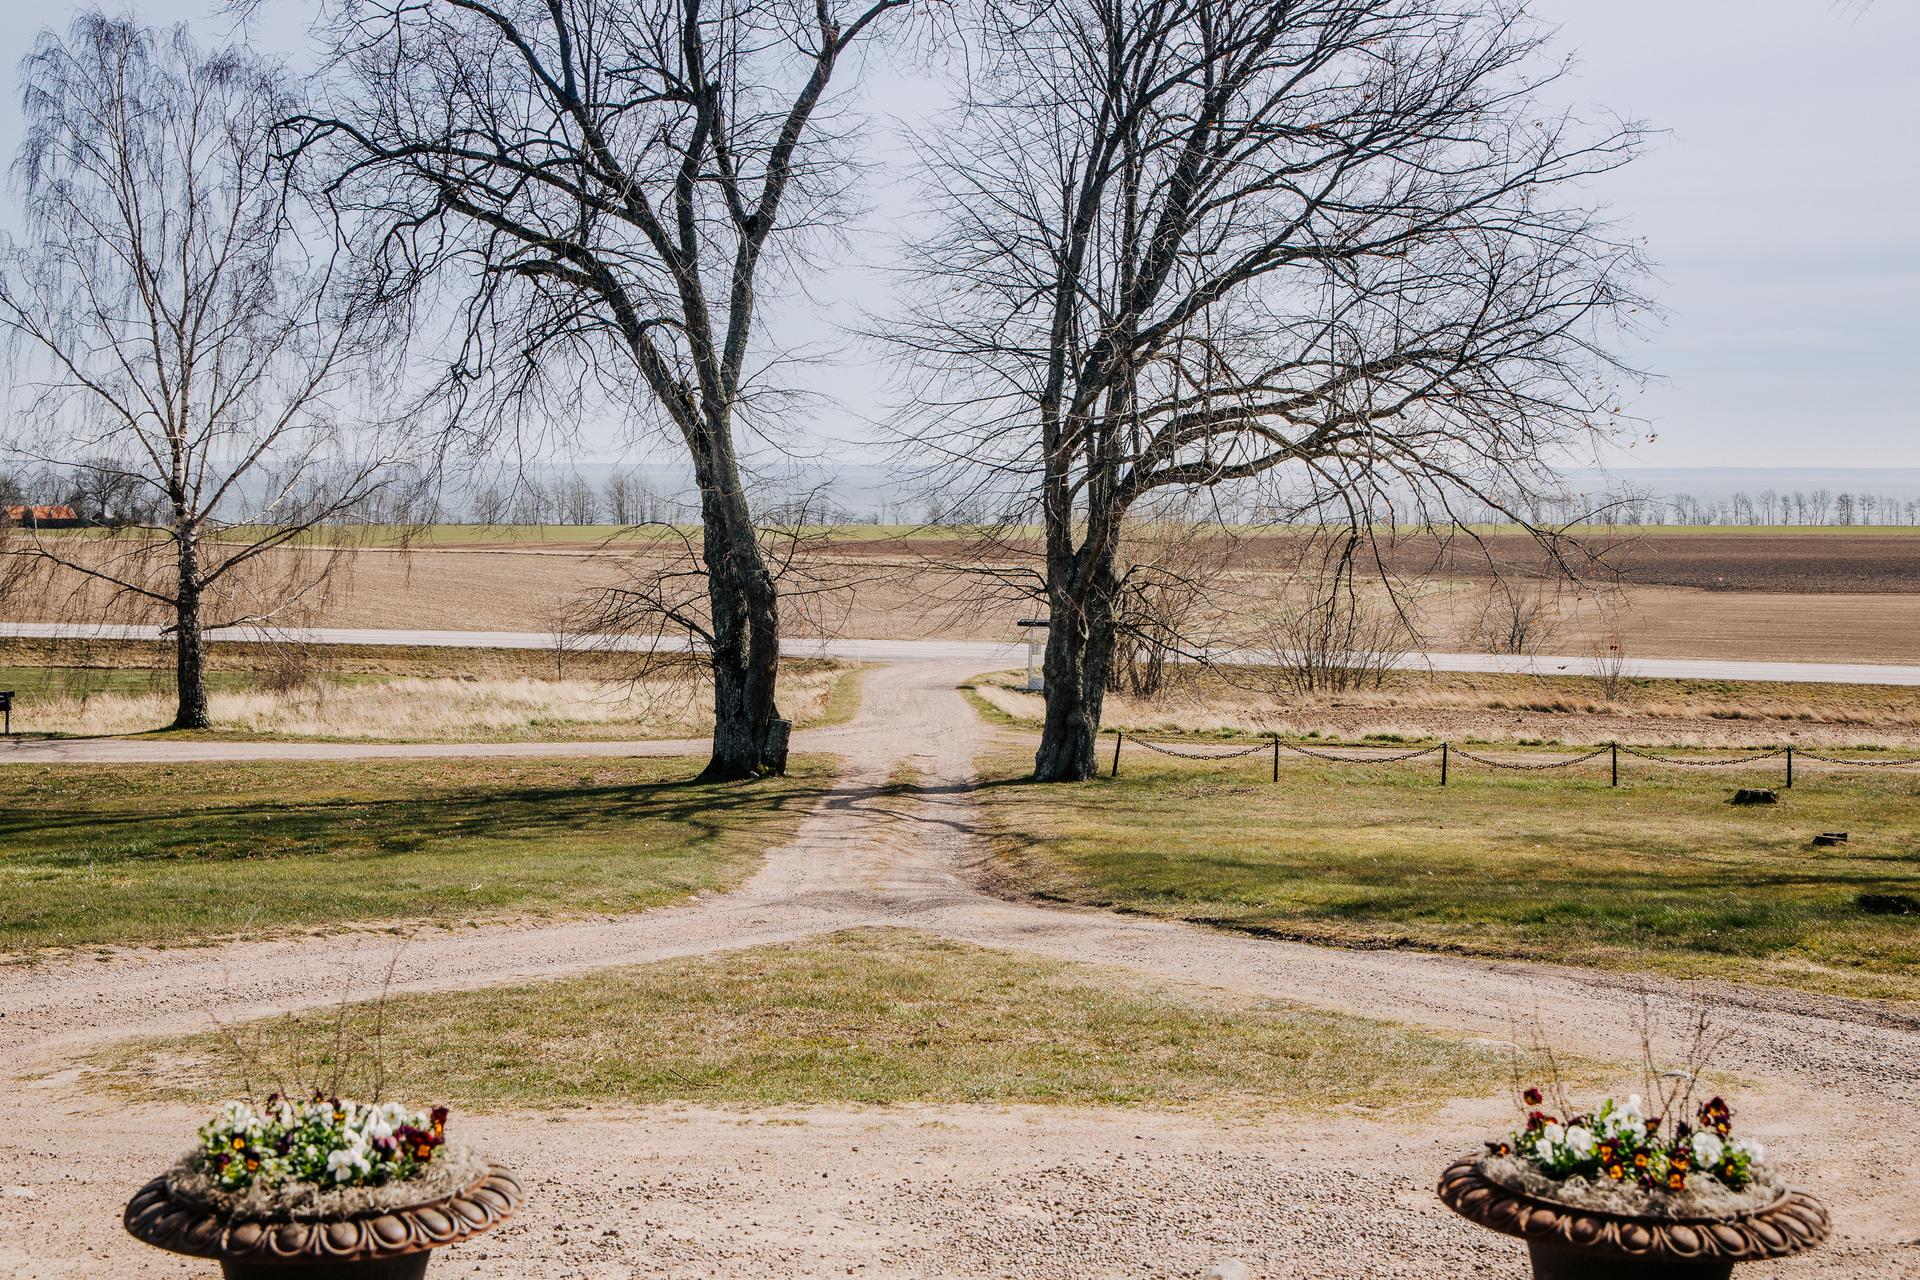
point(1498, 708)
point(414, 708)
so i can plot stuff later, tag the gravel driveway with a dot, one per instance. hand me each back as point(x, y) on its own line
point(946, 1191)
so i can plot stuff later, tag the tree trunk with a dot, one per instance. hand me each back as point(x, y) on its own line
point(1079, 658)
point(746, 635)
point(190, 665)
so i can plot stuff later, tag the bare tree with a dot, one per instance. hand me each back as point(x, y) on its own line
point(622, 507)
point(580, 501)
point(490, 505)
point(656, 615)
point(1189, 243)
point(1612, 670)
point(1169, 606)
point(177, 348)
point(1327, 624)
point(623, 181)
point(1514, 615)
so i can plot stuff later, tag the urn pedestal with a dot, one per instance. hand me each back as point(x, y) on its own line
point(380, 1244)
point(1569, 1242)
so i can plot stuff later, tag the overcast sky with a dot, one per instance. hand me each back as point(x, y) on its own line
point(1781, 201)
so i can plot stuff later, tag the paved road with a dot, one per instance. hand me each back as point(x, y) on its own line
point(990, 654)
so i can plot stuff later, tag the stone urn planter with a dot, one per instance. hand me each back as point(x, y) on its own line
point(1571, 1242)
point(393, 1243)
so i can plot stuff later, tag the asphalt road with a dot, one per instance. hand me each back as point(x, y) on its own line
point(991, 654)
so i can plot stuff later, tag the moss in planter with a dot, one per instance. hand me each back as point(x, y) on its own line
point(453, 1169)
point(1703, 1198)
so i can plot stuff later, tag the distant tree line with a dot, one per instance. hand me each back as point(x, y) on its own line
point(623, 499)
point(103, 495)
point(1798, 507)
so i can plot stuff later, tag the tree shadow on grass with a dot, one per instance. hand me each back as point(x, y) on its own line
point(180, 831)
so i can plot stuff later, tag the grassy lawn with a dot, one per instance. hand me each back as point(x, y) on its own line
point(1660, 874)
point(875, 1016)
point(154, 854)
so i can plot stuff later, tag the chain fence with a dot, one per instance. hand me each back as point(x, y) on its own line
point(1166, 750)
point(1529, 766)
point(1448, 752)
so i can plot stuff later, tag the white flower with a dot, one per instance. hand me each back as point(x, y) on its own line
point(1580, 1141)
point(1707, 1148)
point(341, 1165)
point(1751, 1149)
point(1553, 1134)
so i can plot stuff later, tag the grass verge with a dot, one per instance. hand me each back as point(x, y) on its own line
point(1489, 707)
point(155, 854)
point(871, 1016)
point(1660, 874)
point(371, 693)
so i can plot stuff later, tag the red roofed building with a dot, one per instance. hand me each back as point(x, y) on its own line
point(51, 514)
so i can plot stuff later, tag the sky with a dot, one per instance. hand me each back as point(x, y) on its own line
point(1780, 200)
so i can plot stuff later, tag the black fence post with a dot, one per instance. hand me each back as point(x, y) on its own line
point(1118, 738)
point(1276, 757)
point(1789, 764)
point(1616, 763)
point(1443, 764)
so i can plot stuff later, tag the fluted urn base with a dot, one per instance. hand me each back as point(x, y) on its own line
point(386, 1244)
point(1569, 1242)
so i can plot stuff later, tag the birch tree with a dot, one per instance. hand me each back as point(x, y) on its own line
point(181, 335)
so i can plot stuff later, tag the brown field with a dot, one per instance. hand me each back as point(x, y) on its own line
point(1791, 562)
point(1816, 595)
point(1777, 561)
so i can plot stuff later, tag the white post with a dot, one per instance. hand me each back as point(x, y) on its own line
point(1036, 667)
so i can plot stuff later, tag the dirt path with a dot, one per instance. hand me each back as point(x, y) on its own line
point(959, 1191)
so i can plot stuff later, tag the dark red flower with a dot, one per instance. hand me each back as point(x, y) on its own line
point(1533, 1097)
